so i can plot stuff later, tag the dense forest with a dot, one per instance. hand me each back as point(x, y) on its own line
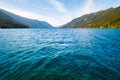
point(10, 20)
point(109, 18)
point(11, 24)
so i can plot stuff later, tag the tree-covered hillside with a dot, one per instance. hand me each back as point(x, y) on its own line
point(4, 23)
point(8, 22)
point(109, 18)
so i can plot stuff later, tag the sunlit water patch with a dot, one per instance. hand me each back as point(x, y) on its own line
point(60, 54)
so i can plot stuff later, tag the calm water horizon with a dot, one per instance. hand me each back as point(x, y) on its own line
point(59, 54)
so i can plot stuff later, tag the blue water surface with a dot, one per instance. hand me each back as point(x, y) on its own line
point(59, 54)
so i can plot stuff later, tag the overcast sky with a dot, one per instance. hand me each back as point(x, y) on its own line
point(56, 12)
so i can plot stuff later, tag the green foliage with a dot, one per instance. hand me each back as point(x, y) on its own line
point(8, 22)
point(109, 18)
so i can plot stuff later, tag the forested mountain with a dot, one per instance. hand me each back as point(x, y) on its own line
point(10, 20)
point(109, 18)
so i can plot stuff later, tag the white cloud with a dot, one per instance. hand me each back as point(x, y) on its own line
point(58, 5)
point(27, 14)
point(86, 8)
point(67, 15)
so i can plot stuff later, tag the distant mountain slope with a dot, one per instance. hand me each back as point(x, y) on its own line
point(8, 22)
point(109, 18)
point(29, 22)
point(4, 23)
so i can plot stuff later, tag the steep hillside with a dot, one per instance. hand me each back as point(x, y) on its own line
point(109, 18)
point(8, 22)
point(29, 22)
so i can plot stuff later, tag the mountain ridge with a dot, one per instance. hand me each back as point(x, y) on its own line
point(109, 18)
point(8, 22)
point(6, 17)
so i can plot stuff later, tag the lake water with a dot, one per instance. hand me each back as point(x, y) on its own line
point(60, 54)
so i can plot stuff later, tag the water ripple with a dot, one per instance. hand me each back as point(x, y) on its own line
point(60, 54)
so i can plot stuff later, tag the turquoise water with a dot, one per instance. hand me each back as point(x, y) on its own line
point(60, 54)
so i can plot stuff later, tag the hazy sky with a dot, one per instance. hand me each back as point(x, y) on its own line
point(56, 12)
